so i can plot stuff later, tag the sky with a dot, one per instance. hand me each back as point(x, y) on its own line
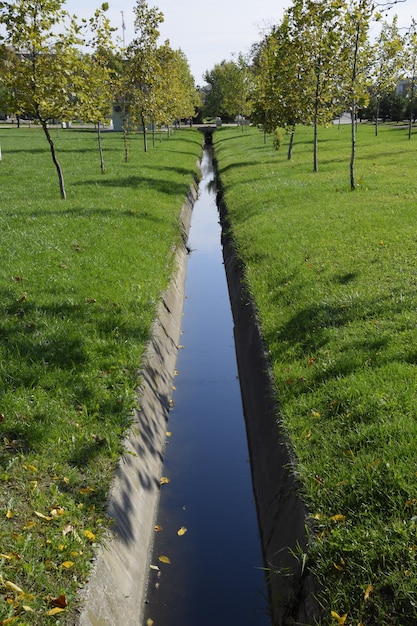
point(211, 31)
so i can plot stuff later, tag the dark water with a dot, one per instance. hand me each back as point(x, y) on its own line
point(215, 577)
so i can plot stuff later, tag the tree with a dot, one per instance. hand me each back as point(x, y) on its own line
point(141, 68)
point(229, 89)
point(388, 63)
point(44, 76)
point(94, 101)
point(315, 27)
point(411, 66)
point(278, 94)
point(176, 93)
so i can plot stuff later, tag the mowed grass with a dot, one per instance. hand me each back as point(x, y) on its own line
point(80, 281)
point(334, 277)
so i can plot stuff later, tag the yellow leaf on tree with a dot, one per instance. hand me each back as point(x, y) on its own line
point(54, 611)
point(67, 564)
point(182, 531)
point(340, 620)
point(368, 592)
point(164, 559)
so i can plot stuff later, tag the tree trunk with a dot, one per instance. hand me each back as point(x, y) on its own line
point(54, 157)
point(291, 144)
point(377, 116)
point(145, 138)
point(100, 148)
point(353, 148)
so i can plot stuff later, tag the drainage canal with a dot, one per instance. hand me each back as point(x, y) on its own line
point(207, 565)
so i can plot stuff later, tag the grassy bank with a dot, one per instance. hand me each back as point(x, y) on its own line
point(334, 276)
point(80, 281)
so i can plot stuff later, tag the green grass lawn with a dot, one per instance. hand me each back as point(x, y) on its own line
point(79, 284)
point(334, 277)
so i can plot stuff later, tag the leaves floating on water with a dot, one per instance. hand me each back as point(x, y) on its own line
point(182, 531)
point(164, 559)
point(164, 480)
point(157, 528)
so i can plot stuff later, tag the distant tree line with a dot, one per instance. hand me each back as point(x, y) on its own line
point(317, 63)
point(56, 67)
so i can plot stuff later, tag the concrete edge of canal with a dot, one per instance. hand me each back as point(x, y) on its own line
point(116, 588)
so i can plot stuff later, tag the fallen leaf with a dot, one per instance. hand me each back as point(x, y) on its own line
point(57, 510)
point(337, 518)
point(157, 528)
point(368, 592)
point(89, 535)
point(164, 480)
point(32, 468)
point(340, 620)
point(60, 601)
point(182, 531)
point(12, 587)
point(164, 559)
point(7, 557)
point(54, 611)
point(9, 514)
point(168, 433)
point(67, 529)
point(67, 564)
point(42, 516)
point(155, 567)
point(85, 490)
point(149, 622)
point(30, 524)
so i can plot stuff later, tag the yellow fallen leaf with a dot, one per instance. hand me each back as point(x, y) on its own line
point(85, 490)
point(157, 528)
point(89, 535)
point(67, 564)
point(32, 468)
point(57, 510)
point(5, 556)
point(149, 622)
point(164, 559)
point(54, 611)
point(9, 514)
point(368, 592)
point(155, 567)
point(168, 433)
point(42, 516)
point(182, 531)
point(164, 480)
point(12, 587)
point(30, 524)
point(340, 620)
point(337, 518)
point(27, 609)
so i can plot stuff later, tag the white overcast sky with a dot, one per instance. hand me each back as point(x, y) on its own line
point(208, 32)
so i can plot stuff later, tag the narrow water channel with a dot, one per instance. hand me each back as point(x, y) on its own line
point(215, 574)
